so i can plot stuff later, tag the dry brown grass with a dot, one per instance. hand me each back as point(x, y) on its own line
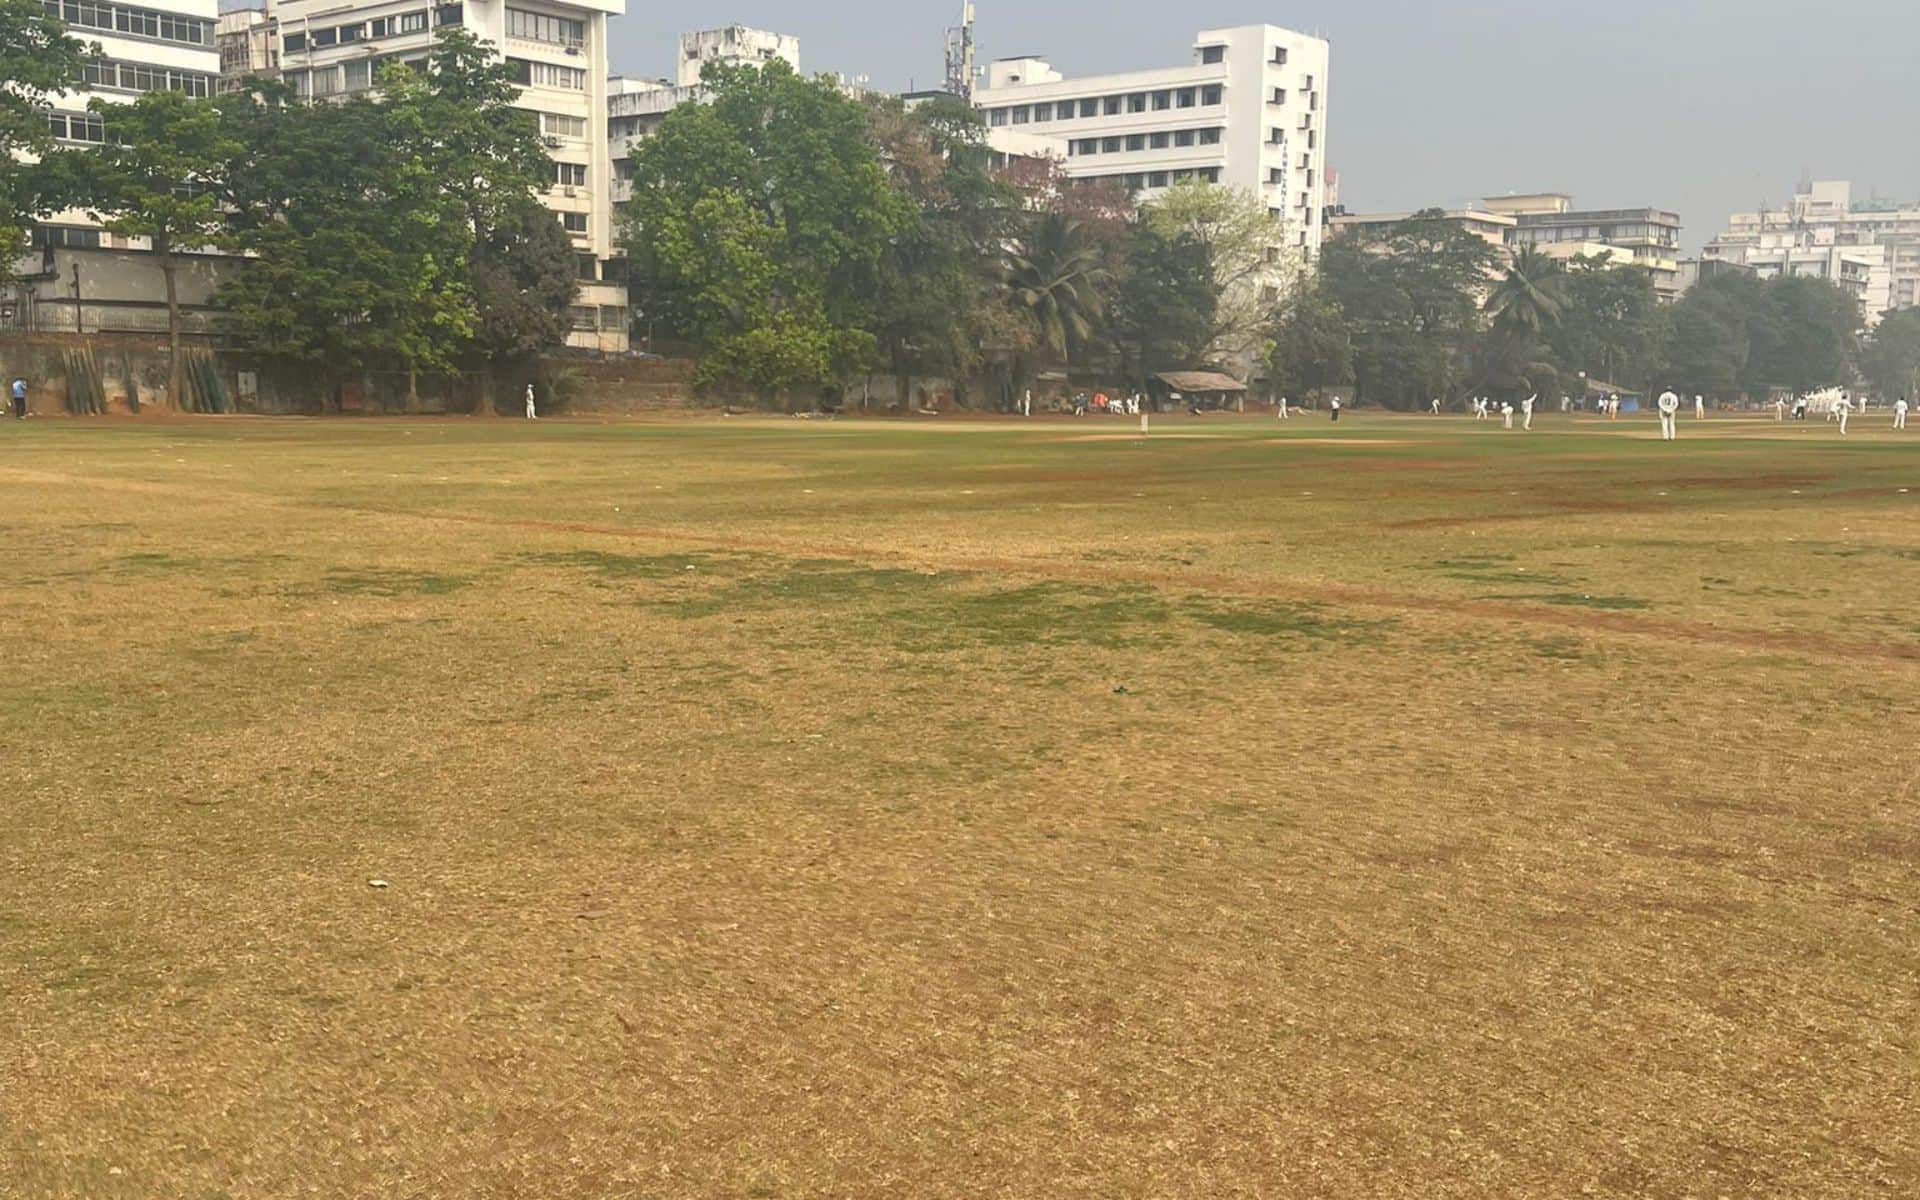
point(824, 809)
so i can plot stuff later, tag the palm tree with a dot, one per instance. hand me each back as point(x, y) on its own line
point(1532, 295)
point(1055, 274)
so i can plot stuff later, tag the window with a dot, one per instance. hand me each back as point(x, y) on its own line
point(1110, 145)
point(1312, 137)
point(1182, 175)
point(1309, 83)
point(412, 22)
point(66, 235)
point(1279, 95)
point(325, 37)
point(1156, 179)
point(1209, 137)
point(113, 75)
point(1162, 100)
point(1276, 174)
point(133, 22)
point(560, 125)
point(538, 74)
point(1183, 137)
point(539, 27)
point(1136, 180)
point(584, 267)
point(574, 222)
point(1020, 114)
point(1089, 108)
point(1137, 102)
point(297, 80)
point(1184, 97)
point(1210, 94)
point(1136, 141)
point(1160, 141)
point(1313, 101)
point(294, 42)
point(76, 127)
point(1063, 111)
point(1110, 106)
point(568, 174)
point(586, 317)
point(612, 316)
point(1213, 54)
point(352, 33)
point(1276, 136)
point(1279, 56)
point(1088, 145)
point(1209, 174)
point(358, 74)
point(448, 14)
point(326, 81)
point(996, 116)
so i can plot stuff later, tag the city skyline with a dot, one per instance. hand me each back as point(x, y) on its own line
point(1557, 102)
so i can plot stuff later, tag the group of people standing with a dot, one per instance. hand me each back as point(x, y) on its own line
point(1482, 409)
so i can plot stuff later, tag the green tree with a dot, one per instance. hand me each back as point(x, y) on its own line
point(1248, 261)
point(1312, 347)
point(1055, 278)
point(1162, 314)
point(359, 251)
point(37, 61)
point(1531, 295)
point(1410, 293)
point(1611, 322)
point(934, 285)
point(758, 227)
point(522, 270)
point(1891, 358)
point(1814, 326)
point(158, 177)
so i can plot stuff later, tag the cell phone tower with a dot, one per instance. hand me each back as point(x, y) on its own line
point(959, 46)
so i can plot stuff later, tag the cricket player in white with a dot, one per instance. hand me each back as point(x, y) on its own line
point(1841, 408)
point(1436, 406)
point(1281, 412)
point(1526, 410)
point(1699, 407)
point(1506, 413)
point(531, 415)
point(1900, 413)
point(1779, 408)
point(1669, 413)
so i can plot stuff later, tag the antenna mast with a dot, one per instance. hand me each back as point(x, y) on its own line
point(959, 48)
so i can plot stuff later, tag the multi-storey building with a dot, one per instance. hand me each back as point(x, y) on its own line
point(558, 52)
point(157, 45)
point(1249, 112)
point(1871, 249)
point(635, 107)
point(249, 44)
point(1549, 222)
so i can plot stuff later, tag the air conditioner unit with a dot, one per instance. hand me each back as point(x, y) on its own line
point(569, 190)
point(573, 49)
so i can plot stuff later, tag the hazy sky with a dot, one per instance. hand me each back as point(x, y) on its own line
point(1700, 106)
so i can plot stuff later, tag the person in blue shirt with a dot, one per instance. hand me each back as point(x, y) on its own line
point(19, 393)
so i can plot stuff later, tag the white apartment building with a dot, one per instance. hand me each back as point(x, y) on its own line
point(1872, 249)
point(558, 51)
point(157, 45)
point(635, 107)
point(1249, 112)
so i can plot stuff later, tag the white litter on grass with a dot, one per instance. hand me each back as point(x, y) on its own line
point(376, 883)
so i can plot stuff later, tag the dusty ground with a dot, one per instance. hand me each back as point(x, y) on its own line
point(806, 809)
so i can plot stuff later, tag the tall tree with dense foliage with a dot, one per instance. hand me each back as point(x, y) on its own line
point(1312, 346)
point(37, 60)
point(1531, 295)
point(934, 305)
point(358, 254)
point(1891, 357)
point(1056, 280)
point(1815, 327)
point(1248, 258)
point(1161, 317)
point(758, 228)
point(158, 177)
point(1410, 293)
point(1611, 324)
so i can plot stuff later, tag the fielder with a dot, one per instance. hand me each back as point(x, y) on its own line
point(1669, 414)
